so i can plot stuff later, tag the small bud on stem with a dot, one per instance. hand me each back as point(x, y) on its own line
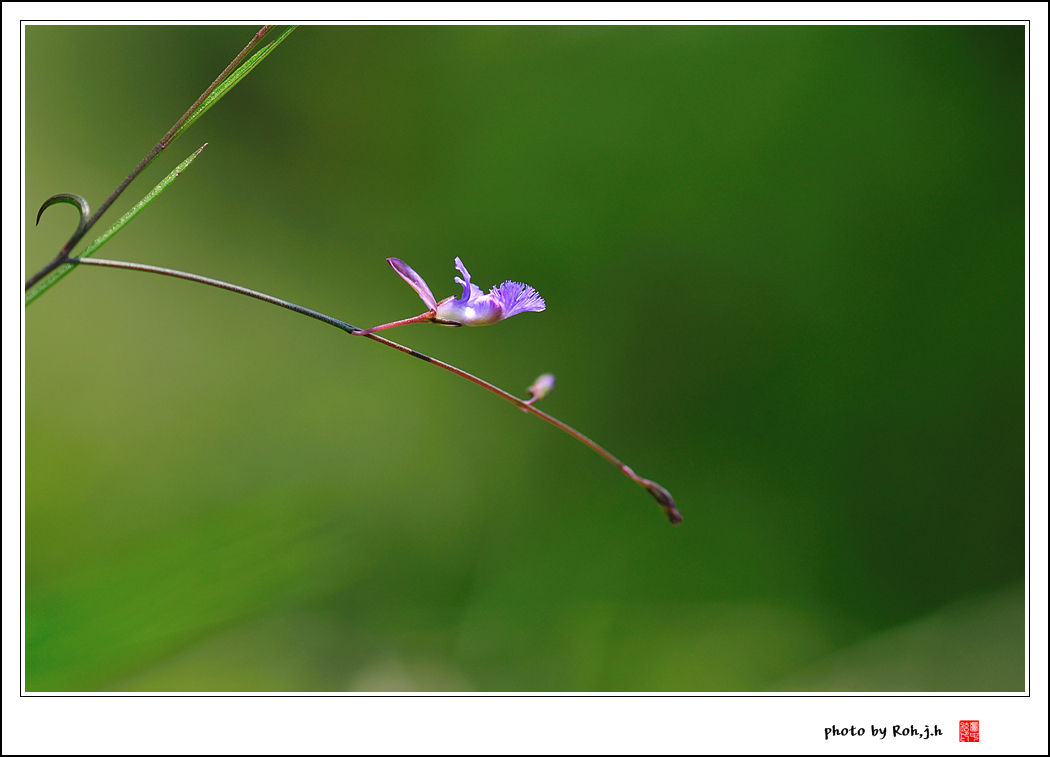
point(540, 388)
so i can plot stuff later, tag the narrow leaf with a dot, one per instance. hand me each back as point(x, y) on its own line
point(232, 80)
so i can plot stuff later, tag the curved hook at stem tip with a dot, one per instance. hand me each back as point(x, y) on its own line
point(72, 199)
point(81, 230)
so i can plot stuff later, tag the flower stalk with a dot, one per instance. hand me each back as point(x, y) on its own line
point(540, 388)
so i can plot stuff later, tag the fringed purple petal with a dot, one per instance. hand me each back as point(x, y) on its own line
point(473, 308)
point(517, 298)
point(404, 270)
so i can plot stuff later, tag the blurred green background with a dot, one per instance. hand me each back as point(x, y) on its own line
point(784, 270)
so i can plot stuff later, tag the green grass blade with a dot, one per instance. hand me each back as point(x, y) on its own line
point(46, 283)
point(232, 80)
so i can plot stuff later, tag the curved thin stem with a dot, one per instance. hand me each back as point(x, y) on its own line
point(661, 495)
point(343, 325)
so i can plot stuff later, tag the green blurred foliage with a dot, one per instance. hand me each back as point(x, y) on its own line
point(784, 269)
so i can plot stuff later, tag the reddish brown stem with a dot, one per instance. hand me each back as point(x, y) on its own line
point(660, 494)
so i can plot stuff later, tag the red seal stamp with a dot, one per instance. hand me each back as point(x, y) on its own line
point(969, 730)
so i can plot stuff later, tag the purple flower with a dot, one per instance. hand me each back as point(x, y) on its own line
point(472, 308)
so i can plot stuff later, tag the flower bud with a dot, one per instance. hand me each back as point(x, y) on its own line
point(665, 500)
point(541, 387)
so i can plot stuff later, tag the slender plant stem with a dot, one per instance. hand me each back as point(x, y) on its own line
point(523, 404)
point(348, 328)
point(661, 495)
point(166, 140)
